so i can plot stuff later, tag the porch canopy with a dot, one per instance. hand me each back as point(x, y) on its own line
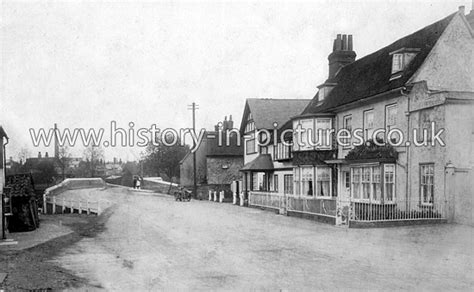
point(262, 163)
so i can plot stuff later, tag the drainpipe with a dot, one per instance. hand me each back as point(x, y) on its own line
point(3, 194)
point(407, 189)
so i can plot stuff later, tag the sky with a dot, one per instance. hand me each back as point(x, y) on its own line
point(83, 64)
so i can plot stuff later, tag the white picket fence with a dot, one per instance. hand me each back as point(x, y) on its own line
point(62, 205)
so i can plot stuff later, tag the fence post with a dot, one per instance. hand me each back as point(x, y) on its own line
point(71, 207)
point(234, 198)
point(221, 196)
point(210, 195)
point(242, 199)
point(215, 196)
point(54, 205)
point(87, 208)
point(44, 204)
point(80, 207)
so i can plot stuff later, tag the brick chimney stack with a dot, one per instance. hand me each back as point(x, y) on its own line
point(230, 123)
point(342, 54)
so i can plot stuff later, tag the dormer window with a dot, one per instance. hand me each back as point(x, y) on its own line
point(401, 59)
point(324, 90)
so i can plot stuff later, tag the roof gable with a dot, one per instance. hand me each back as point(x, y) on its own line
point(267, 111)
point(371, 74)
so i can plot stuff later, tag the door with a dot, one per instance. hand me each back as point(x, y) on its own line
point(343, 200)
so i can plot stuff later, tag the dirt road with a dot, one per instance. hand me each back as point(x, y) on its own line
point(151, 242)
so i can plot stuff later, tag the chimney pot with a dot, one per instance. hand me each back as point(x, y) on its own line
point(338, 43)
point(344, 42)
point(349, 43)
point(461, 9)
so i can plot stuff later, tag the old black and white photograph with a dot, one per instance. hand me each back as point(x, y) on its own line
point(276, 145)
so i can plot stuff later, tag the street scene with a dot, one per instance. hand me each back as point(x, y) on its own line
point(227, 145)
point(151, 242)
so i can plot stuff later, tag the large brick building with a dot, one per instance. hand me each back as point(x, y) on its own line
point(422, 81)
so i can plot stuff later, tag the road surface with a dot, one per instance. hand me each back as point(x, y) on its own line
point(152, 242)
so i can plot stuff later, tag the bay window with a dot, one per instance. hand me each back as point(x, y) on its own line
point(323, 127)
point(367, 183)
point(307, 175)
point(288, 183)
point(315, 134)
point(323, 182)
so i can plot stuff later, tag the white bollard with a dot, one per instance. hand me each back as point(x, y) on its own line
point(44, 204)
point(210, 195)
point(64, 206)
point(241, 198)
point(234, 198)
point(221, 196)
point(54, 205)
point(215, 196)
point(71, 208)
point(87, 208)
point(80, 207)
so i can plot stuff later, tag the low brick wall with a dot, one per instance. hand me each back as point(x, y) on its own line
point(315, 217)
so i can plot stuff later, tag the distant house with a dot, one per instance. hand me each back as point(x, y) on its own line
point(217, 162)
point(268, 164)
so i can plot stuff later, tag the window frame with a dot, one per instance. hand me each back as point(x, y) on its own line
point(364, 124)
point(317, 132)
point(401, 63)
point(288, 179)
point(372, 183)
point(388, 126)
point(302, 181)
point(421, 166)
point(344, 126)
point(316, 169)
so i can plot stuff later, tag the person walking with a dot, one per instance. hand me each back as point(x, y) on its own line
point(138, 183)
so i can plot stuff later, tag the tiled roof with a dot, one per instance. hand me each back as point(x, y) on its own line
point(230, 149)
point(263, 162)
point(371, 74)
point(470, 18)
point(266, 111)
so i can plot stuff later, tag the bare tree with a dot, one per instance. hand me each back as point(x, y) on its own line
point(93, 155)
point(64, 156)
point(23, 154)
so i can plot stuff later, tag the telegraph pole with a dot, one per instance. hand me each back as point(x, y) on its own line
point(194, 107)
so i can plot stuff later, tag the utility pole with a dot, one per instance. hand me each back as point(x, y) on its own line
point(194, 107)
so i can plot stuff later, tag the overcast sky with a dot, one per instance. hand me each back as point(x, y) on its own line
point(86, 64)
